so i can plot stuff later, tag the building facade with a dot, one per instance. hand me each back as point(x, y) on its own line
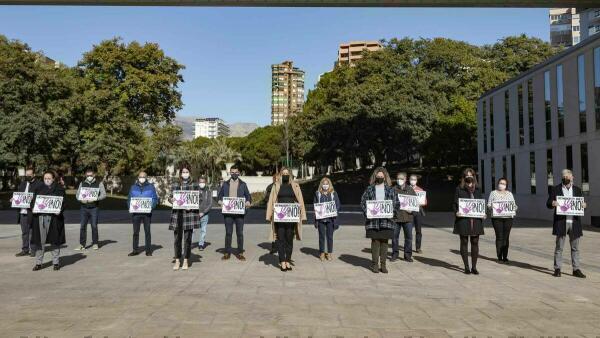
point(210, 127)
point(287, 91)
point(589, 19)
point(564, 27)
point(544, 120)
point(349, 53)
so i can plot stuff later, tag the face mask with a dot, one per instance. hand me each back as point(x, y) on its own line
point(566, 181)
point(401, 182)
point(185, 176)
point(142, 180)
point(235, 175)
point(379, 180)
point(413, 182)
point(285, 178)
point(202, 185)
point(325, 186)
point(89, 178)
point(48, 182)
point(29, 178)
point(501, 187)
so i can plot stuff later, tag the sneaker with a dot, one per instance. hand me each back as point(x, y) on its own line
point(322, 256)
point(79, 248)
point(329, 256)
point(578, 273)
point(95, 247)
point(22, 253)
point(176, 266)
point(201, 247)
point(185, 265)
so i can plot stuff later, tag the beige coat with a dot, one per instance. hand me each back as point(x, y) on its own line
point(271, 204)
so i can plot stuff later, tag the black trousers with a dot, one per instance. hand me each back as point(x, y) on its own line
point(239, 232)
point(417, 222)
point(285, 240)
point(464, 250)
point(138, 219)
point(25, 233)
point(185, 236)
point(502, 227)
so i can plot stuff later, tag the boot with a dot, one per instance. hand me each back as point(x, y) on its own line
point(383, 267)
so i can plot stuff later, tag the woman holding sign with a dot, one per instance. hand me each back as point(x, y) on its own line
point(48, 226)
point(378, 203)
point(502, 204)
point(469, 218)
point(285, 212)
point(327, 205)
point(185, 216)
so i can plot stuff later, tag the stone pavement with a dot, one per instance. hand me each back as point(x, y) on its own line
point(107, 294)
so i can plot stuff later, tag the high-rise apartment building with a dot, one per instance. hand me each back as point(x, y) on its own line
point(211, 127)
point(349, 53)
point(564, 27)
point(287, 91)
point(589, 19)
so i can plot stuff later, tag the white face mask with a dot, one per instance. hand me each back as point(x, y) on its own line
point(89, 178)
point(413, 182)
point(202, 185)
point(325, 186)
point(401, 181)
point(185, 176)
point(501, 187)
point(142, 180)
point(48, 182)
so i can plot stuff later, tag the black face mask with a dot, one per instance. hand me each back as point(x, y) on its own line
point(379, 180)
point(29, 178)
point(566, 181)
point(285, 178)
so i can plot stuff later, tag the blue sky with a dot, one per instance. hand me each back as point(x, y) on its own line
point(228, 51)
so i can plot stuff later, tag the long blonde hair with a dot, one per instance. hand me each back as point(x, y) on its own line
point(386, 176)
point(323, 180)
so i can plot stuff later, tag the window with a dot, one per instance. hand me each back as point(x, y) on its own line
point(560, 101)
point(493, 169)
point(585, 174)
point(521, 123)
point(484, 117)
point(513, 173)
point(492, 124)
point(547, 105)
point(482, 176)
point(569, 157)
point(530, 109)
point(549, 168)
point(507, 117)
point(532, 183)
point(575, 28)
point(597, 86)
point(581, 90)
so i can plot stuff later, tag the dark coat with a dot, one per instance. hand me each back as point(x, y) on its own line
point(402, 216)
point(322, 198)
point(32, 186)
point(56, 233)
point(381, 223)
point(242, 191)
point(466, 226)
point(559, 226)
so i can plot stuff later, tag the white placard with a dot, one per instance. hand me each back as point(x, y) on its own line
point(569, 206)
point(234, 205)
point(325, 210)
point(140, 205)
point(186, 199)
point(46, 204)
point(21, 199)
point(471, 207)
point(408, 203)
point(88, 194)
point(422, 195)
point(380, 209)
point(286, 212)
point(504, 209)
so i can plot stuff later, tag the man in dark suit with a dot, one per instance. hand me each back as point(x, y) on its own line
point(566, 225)
point(28, 185)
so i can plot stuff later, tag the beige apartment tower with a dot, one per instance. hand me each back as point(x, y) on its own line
point(287, 92)
point(349, 53)
point(564, 27)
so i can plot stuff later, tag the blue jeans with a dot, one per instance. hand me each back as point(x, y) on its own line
point(88, 215)
point(407, 228)
point(325, 233)
point(203, 223)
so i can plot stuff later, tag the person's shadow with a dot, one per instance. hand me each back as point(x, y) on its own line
point(194, 258)
point(153, 247)
point(67, 260)
point(356, 261)
point(310, 252)
point(437, 263)
point(518, 264)
point(102, 243)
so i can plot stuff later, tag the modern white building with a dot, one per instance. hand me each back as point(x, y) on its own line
point(211, 127)
point(540, 122)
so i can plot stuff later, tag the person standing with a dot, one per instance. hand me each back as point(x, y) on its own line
point(48, 228)
point(468, 227)
point(183, 221)
point(502, 224)
point(234, 187)
point(142, 188)
point(404, 221)
point(28, 185)
point(379, 230)
point(285, 190)
point(267, 194)
point(566, 225)
point(205, 206)
point(418, 216)
point(327, 226)
point(89, 209)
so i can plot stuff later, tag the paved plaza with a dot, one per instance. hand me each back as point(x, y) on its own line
point(107, 294)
